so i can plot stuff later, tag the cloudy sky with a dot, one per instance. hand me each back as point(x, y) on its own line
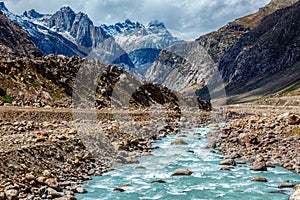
point(189, 17)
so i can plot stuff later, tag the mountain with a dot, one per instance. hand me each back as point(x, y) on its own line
point(218, 42)
point(142, 43)
point(130, 45)
point(71, 34)
point(242, 53)
point(266, 59)
point(45, 39)
point(14, 41)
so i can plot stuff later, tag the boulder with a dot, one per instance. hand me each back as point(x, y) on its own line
point(296, 193)
point(259, 179)
point(158, 181)
point(182, 172)
point(286, 185)
point(119, 190)
point(259, 166)
point(80, 190)
point(211, 145)
point(179, 141)
point(228, 162)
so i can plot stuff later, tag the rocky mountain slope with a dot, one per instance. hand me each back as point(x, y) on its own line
point(218, 42)
point(267, 55)
point(49, 81)
point(15, 41)
point(244, 38)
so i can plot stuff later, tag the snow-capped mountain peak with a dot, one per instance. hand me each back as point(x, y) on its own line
point(32, 14)
point(125, 27)
point(156, 24)
point(3, 7)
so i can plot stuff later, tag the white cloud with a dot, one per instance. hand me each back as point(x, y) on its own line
point(189, 17)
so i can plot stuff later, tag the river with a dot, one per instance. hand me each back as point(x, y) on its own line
point(207, 182)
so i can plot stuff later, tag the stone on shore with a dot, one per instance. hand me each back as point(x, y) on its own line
point(259, 166)
point(66, 197)
point(53, 193)
point(293, 119)
point(296, 193)
point(81, 190)
point(11, 194)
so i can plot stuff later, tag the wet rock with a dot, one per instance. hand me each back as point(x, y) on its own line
point(211, 145)
point(146, 153)
point(80, 190)
point(126, 185)
point(226, 168)
point(259, 179)
point(119, 190)
point(182, 172)
point(286, 185)
point(179, 141)
point(277, 192)
point(228, 162)
point(158, 181)
point(259, 166)
point(140, 167)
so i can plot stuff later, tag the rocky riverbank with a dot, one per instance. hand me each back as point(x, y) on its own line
point(265, 140)
point(50, 159)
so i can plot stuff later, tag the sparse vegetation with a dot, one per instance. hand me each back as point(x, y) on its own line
point(4, 96)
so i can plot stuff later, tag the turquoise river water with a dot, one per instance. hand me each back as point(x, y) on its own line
point(207, 182)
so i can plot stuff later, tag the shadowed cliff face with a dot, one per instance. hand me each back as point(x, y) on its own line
point(15, 41)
